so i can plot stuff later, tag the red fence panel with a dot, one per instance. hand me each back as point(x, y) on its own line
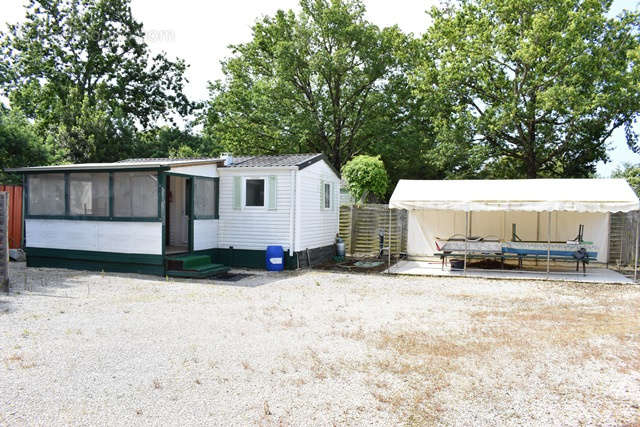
point(15, 214)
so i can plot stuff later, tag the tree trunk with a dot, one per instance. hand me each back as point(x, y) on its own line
point(336, 159)
point(530, 158)
point(532, 170)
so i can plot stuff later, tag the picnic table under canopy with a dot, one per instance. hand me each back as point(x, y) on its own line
point(487, 197)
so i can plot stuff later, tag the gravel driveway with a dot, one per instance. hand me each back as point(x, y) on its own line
point(317, 348)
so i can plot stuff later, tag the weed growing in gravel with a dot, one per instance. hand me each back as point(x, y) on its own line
point(357, 335)
point(292, 322)
point(299, 382)
point(18, 359)
point(267, 411)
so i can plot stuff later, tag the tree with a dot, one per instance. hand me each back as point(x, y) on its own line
point(312, 82)
point(168, 141)
point(19, 144)
point(364, 175)
point(529, 88)
point(631, 173)
point(82, 71)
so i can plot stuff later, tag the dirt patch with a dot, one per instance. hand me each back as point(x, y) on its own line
point(357, 265)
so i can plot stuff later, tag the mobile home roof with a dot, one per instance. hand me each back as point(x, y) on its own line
point(121, 165)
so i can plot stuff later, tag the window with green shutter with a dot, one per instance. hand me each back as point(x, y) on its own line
point(237, 192)
point(254, 192)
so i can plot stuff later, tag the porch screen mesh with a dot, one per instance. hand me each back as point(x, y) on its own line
point(204, 197)
point(89, 194)
point(46, 194)
point(135, 194)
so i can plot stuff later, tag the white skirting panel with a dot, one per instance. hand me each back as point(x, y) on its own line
point(101, 236)
point(205, 234)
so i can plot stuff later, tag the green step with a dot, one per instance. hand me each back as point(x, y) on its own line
point(206, 267)
point(199, 274)
point(190, 262)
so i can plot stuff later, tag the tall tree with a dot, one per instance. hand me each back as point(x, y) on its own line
point(82, 70)
point(19, 144)
point(317, 81)
point(168, 141)
point(631, 173)
point(530, 88)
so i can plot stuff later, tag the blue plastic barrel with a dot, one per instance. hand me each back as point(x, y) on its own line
point(275, 258)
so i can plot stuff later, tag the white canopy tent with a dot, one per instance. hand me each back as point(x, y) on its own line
point(579, 196)
point(533, 195)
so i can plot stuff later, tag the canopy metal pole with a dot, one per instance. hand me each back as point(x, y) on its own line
point(548, 243)
point(389, 240)
point(466, 239)
point(635, 263)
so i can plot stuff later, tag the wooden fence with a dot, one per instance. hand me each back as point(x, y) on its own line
point(15, 214)
point(622, 239)
point(360, 228)
point(4, 240)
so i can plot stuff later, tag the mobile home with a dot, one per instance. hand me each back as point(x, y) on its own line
point(137, 215)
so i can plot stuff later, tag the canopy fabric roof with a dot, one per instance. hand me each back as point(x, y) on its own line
point(574, 195)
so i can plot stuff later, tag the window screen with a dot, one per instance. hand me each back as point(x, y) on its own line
point(327, 196)
point(204, 197)
point(46, 194)
point(89, 194)
point(254, 192)
point(135, 194)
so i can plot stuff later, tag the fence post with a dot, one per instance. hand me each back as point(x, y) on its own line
point(352, 230)
point(637, 239)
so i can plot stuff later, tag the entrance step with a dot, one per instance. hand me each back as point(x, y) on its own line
point(193, 266)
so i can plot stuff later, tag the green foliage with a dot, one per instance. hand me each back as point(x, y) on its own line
point(365, 174)
point(528, 88)
point(494, 89)
point(631, 173)
point(172, 142)
point(82, 71)
point(325, 80)
point(19, 144)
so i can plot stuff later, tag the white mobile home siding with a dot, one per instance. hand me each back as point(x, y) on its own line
point(100, 236)
point(198, 170)
point(254, 228)
point(315, 226)
point(205, 234)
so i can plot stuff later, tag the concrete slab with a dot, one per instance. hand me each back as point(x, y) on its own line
point(434, 268)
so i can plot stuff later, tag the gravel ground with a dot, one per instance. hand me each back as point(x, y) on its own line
point(317, 348)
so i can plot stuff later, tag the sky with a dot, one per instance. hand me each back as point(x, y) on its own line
point(200, 31)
